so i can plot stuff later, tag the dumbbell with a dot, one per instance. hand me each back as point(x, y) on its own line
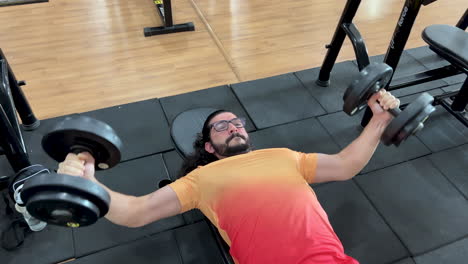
point(371, 79)
point(66, 200)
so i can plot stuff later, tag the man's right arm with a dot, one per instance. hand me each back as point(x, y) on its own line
point(125, 210)
point(132, 211)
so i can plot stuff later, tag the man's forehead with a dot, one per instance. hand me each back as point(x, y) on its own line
point(223, 116)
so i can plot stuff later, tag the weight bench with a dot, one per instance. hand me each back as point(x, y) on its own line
point(451, 43)
point(184, 130)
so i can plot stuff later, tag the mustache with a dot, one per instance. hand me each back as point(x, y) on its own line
point(231, 137)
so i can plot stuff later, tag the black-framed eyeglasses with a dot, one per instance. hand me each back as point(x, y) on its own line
point(222, 125)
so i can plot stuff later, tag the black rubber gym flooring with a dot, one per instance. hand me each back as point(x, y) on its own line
point(408, 205)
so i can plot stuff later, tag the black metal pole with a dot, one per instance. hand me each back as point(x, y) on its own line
point(11, 145)
point(462, 116)
point(402, 32)
point(423, 77)
point(11, 140)
point(463, 22)
point(6, 99)
point(168, 13)
point(29, 120)
point(338, 38)
point(461, 99)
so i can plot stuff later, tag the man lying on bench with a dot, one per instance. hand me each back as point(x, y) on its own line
point(260, 200)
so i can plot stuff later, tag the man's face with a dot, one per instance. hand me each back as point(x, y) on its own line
point(228, 136)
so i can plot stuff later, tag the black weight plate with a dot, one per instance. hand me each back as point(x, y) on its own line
point(79, 186)
point(414, 126)
point(22, 176)
point(82, 133)
point(371, 79)
point(404, 125)
point(63, 209)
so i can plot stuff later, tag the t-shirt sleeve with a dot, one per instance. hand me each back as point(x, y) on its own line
point(186, 189)
point(307, 164)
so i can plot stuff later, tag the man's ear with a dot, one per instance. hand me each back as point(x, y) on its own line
point(209, 147)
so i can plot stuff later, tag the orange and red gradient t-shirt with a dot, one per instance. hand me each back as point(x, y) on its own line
point(264, 208)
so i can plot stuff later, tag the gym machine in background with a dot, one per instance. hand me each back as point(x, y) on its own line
point(164, 9)
point(13, 101)
point(396, 47)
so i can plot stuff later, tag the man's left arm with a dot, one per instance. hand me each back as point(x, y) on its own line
point(354, 157)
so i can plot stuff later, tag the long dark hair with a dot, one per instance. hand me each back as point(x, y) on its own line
point(200, 156)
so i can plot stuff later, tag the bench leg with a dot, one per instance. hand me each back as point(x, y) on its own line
point(461, 99)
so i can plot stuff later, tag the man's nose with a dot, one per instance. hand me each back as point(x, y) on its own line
point(232, 128)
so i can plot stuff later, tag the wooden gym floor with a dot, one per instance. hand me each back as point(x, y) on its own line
point(83, 55)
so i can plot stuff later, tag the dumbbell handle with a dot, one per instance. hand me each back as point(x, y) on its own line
point(394, 111)
point(80, 149)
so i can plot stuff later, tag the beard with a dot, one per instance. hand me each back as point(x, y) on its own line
point(227, 150)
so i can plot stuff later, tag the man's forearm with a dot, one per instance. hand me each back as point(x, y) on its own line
point(122, 209)
point(357, 154)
